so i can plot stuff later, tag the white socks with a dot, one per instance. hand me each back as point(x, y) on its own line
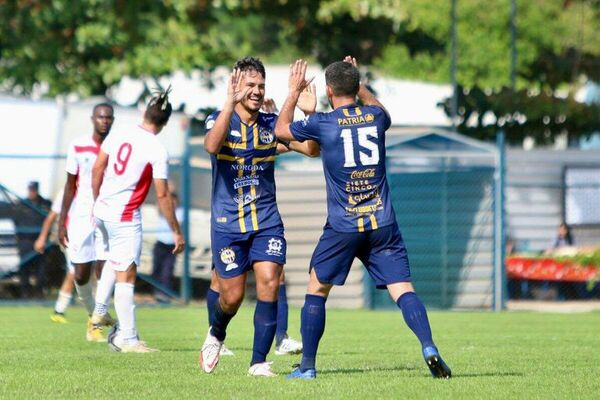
point(125, 312)
point(62, 302)
point(104, 289)
point(85, 296)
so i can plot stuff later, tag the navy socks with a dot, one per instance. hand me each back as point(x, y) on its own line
point(211, 298)
point(415, 316)
point(265, 323)
point(220, 322)
point(313, 326)
point(282, 314)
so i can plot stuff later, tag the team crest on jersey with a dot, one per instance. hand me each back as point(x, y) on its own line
point(209, 124)
point(265, 136)
point(275, 247)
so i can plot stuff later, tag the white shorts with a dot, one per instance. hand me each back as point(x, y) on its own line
point(86, 243)
point(124, 243)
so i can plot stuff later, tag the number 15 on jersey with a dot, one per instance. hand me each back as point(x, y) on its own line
point(368, 150)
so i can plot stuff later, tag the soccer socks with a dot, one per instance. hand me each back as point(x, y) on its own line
point(104, 289)
point(220, 322)
point(62, 302)
point(84, 293)
point(415, 316)
point(282, 314)
point(312, 328)
point(212, 296)
point(265, 324)
point(125, 311)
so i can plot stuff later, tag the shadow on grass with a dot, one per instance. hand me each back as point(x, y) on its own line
point(365, 369)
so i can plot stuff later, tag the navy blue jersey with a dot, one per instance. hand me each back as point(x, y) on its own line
point(243, 176)
point(352, 141)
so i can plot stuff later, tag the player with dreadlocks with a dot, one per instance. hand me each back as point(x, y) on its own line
point(127, 164)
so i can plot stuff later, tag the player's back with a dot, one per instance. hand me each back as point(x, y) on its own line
point(135, 157)
point(352, 141)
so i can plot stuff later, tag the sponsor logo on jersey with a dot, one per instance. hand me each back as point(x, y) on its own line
point(245, 198)
point(243, 181)
point(209, 124)
point(274, 247)
point(238, 167)
point(357, 120)
point(236, 134)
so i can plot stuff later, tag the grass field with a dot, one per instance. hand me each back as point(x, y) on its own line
point(364, 355)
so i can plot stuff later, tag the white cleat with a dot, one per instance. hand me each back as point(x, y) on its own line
point(209, 354)
point(115, 343)
point(225, 351)
point(103, 320)
point(288, 346)
point(262, 369)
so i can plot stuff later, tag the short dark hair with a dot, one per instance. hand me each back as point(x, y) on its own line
point(343, 78)
point(159, 109)
point(101, 105)
point(251, 64)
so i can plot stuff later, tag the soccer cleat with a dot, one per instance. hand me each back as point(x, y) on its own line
point(288, 346)
point(94, 333)
point(103, 320)
point(309, 374)
point(59, 318)
point(262, 369)
point(116, 344)
point(225, 351)
point(436, 364)
point(209, 354)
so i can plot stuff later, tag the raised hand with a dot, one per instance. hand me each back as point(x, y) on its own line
point(297, 80)
point(351, 60)
point(269, 106)
point(307, 102)
point(235, 91)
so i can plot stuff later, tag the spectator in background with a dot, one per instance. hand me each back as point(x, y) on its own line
point(564, 237)
point(68, 284)
point(29, 218)
point(163, 259)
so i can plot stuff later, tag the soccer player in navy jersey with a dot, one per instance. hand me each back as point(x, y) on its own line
point(360, 217)
point(246, 228)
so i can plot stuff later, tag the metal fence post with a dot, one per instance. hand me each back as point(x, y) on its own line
point(499, 234)
point(186, 202)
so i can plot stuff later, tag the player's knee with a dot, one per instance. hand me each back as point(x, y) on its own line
point(231, 300)
point(82, 276)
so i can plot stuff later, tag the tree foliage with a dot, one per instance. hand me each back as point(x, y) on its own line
point(86, 46)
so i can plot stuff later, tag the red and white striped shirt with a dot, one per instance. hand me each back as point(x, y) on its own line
point(135, 157)
point(81, 156)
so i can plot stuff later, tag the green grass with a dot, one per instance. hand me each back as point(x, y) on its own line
point(363, 355)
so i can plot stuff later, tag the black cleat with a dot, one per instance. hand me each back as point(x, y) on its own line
point(436, 364)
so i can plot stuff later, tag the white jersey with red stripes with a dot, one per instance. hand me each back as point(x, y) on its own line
point(81, 156)
point(135, 157)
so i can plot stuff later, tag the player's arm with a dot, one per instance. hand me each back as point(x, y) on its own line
point(364, 94)
point(98, 172)
point(40, 242)
point(309, 148)
point(68, 195)
point(165, 204)
point(218, 133)
point(296, 84)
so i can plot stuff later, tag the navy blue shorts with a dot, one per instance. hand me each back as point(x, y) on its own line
point(234, 253)
point(382, 252)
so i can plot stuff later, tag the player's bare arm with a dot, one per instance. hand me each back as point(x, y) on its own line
point(307, 103)
point(165, 204)
point(40, 242)
point(296, 84)
point(68, 196)
point(218, 133)
point(364, 94)
point(98, 173)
